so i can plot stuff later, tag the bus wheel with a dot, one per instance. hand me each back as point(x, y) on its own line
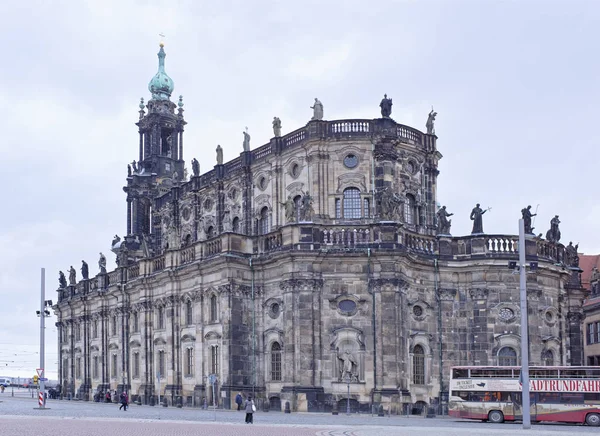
point(592, 419)
point(497, 417)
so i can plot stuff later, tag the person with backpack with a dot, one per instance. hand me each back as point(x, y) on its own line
point(250, 409)
point(124, 401)
point(239, 400)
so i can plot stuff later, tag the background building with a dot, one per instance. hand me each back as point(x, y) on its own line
point(309, 266)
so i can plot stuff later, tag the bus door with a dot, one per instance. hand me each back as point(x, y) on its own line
point(518, 406)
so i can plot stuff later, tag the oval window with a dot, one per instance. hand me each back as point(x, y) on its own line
point(347, 306)
point(351, 161)
point(417, 311)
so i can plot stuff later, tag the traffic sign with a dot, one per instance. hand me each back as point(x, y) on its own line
point(40, 372)
point(43, 379)
point(35, 378)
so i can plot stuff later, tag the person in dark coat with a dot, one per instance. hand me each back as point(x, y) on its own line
point(107, 397)
point(239, 400)
point(124, 401)
point(249, 410)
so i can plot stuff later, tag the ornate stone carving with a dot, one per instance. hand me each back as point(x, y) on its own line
point(301, 285)
point(447, 294)
point(478, 293)
point(575, 317)
point(389, 285)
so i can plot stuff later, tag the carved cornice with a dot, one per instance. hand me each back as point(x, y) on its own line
point(387, 285)
point(447, 294)
point(575, 317)
point(479, 293)
point(301, 285)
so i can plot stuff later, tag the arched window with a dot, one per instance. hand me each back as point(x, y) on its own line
point(410, 209)
point(235, 225)
point(548, 358)
point(418, 365)
point(507, 356)
point(366, 208)
point(298, 206)
point(213, 308)
point(189, 313)
point(210, 232)
point(263, 222)
point(276, 362)
point(161, 318)
point(351, 204)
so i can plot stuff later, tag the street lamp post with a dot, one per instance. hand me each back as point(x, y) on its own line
point(347, 377)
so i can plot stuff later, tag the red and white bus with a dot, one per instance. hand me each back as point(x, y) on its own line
point(557, 393)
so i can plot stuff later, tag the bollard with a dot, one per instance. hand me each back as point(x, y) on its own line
point(205, 405)
point(334, 409)
point(152, 400)
point(179, 402)
point(165, 404)
point(431, 412)
point(287, 407)
point(380, 410)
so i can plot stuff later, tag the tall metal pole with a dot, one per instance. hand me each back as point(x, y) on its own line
point(42, 335)
point(524, 328)
point(348, 399)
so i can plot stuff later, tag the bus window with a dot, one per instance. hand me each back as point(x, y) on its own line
point(591, 397)
point(548, 397)
point(460, 373)
point(571, 397)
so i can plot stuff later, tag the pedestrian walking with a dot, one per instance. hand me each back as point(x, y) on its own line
point(107, 397)
point(239, 400)
point(250, 409)
point(124, 401)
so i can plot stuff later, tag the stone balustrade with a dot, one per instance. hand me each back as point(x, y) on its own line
point(310, 236)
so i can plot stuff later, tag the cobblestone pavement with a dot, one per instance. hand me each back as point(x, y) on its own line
point(19, 417)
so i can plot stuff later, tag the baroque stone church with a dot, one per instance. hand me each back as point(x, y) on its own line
point(313, 267)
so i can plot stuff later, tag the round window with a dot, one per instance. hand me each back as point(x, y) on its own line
point(347, 306)
point(506, 314)
point(549, 316)
point(351, 161)
point(186, 214)
point(275, 309)
point(295, 170)
point(417, 311)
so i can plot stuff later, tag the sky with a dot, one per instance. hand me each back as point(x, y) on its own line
point(515, 85)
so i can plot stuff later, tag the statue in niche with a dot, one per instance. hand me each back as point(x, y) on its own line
point(527, 215)
point(172, 237)
point(227, 225)
point(128, 170)
point(290, 209)
point(102, 264)
point(62, 280)
point(389, 205)
point(219, 155)
point(317, 110)
point(348, 366)
point(195, 167)
point(85, 271)
point(553, 235)
point(443, 223)
point(430, 122)
point(72, 276)
point(134, 166)
point(477, 218)
point(277, 127)
point(246, 143)
point(201, 230)
point(306, 209)
point(386, 106)
point(571, 256)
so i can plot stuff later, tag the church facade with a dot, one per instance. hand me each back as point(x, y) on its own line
point(311, 268)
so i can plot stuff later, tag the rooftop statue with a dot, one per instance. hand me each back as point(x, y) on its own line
point(317, 110)
point(443, 223)
point(62, 280)
point(195, 167)
point(571, 256)
point(553, 235)
point(102, 264)
point(277, 127)
point(527, 215)
point(246, 140)
point(386, 106)
point(85, 271)
point(477, 218)
point(219, 155)
point(72, 276)
point(430, 123)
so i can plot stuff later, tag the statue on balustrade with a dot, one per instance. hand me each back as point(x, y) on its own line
point(219, 155)
point(527, 215)
point(102, 264)
point(195, 167)
point(72, 276)
point(443, 223)
point(85, 271)
point(386, 106)
point(134, 166)
point(306, 209)
point(553, 235)
point(317, 110)
point(115, 240)
point(277, 127)
point(571, 256)
point(477, 218)
point(348, 366)
point(128, 170)
point(62, 280)
point(290, 209)
point(430, 122)
point(246, 144)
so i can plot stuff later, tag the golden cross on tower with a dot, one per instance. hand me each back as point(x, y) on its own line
point(162, 36)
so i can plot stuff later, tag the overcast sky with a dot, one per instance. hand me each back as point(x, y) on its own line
point(515, 85)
